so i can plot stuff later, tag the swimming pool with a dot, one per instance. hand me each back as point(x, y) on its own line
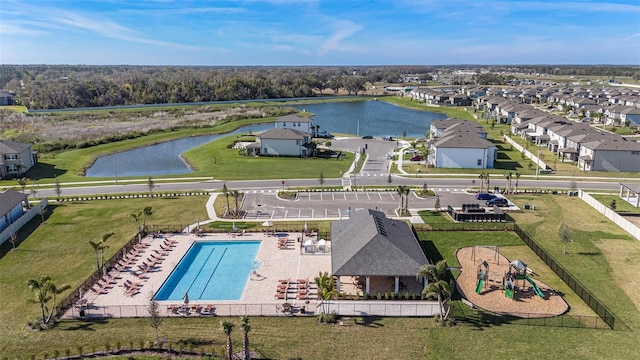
point(211, 270)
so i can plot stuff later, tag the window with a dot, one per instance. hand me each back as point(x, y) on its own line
point(297, 142)
point(11, 156)
point(479, 162)
point(298, 124)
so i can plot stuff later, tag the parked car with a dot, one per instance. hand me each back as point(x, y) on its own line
point(367, 137)
point(388, 138)
point(417, 158)
point(411, 151)
point(497, 201)
point(485, 196)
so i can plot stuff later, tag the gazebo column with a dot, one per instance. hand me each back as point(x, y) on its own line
point(397, 287)
point(338, 283)
point(621, 190)
point(367, 285)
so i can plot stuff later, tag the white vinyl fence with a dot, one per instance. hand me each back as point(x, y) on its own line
point(625, 224)
point(22, 220)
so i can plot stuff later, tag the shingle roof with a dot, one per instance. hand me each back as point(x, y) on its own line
point(294, 118)
point(283, 133)
point(463, 140)
point(370, 244)
point(9, 199)
point(12, 147)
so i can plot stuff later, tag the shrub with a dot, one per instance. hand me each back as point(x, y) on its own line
point(379, 295)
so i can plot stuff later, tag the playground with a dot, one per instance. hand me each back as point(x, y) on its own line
point(492, 282)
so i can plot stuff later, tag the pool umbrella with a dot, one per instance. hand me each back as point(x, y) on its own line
point(186, 298)
point(306, 227)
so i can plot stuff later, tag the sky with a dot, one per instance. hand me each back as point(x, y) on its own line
point(319, 33)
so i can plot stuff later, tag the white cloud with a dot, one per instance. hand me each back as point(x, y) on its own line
point(345, 29)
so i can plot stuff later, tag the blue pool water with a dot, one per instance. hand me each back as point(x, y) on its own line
point(211, 270)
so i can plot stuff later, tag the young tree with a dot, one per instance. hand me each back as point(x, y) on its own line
point(321, 178)
point(407, 192)
point(150, 185)
point(55, 290)
point(13, 238)
point(57, 188)
point(389, 180)
point(437, 205)
point(23, 182)
point(155, 320)
point(613, 205)
point(246, 327)
point(565, 236)
point(227, 328)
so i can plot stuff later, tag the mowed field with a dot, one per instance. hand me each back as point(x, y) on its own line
point(603, 256)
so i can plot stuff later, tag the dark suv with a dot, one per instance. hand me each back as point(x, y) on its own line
point(498, 201)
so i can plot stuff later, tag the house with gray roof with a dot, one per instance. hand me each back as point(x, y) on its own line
point(463, 144)
point(6, 98)
point(381, 251)
point(295, 122)
point(12, 205)
point(282, 142)
point(612, 153)
point(15, 158)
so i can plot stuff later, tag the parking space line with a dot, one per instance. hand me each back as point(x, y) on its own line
point(356, 194)
point(380, 195)
point(325, 213)
point(368, 197)
point(299, 212)
point(345, 195)
point(333, 196)
point(285, 213)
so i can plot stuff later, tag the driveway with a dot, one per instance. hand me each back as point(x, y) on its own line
point(376, 149)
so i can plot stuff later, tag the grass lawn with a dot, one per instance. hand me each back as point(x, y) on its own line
point(622, 207)
point(231, 165)
point(603, 256)
point(59, 248)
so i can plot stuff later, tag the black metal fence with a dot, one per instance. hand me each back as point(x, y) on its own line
point(596, 305)
point(466, 226)
point(478, 317)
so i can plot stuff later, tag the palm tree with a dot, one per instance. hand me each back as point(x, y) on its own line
point(99, 247)
point(236, 195)
point(509, 176)
point(246, 327)
point(481, 177)
point(437, 285)
point(400, 191)
point(226, 193)
point(407, 191)
point(40, 288)
point(136, 217)
point(147, 211)
point(517, 175)
point(55, 290)
point(326, 291)
point(227, 328)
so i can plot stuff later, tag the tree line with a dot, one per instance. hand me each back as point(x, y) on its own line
point(73, 86)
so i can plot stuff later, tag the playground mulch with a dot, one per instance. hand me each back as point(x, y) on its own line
point(525, 303)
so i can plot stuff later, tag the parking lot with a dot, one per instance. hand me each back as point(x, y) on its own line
point(266, 205)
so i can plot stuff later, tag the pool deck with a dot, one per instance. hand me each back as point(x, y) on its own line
point(258, 297)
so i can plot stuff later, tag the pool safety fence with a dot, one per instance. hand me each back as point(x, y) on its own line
point(420, 308)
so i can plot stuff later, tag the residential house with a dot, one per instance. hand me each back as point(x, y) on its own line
point(375, 249)
point(12, 205)
point(295, 122)
point(614, 153)
point(15, 158)
point(282, 142)
point(463, 145)
point(6, 98)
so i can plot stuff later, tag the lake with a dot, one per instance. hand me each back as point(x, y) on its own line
point(376, 118)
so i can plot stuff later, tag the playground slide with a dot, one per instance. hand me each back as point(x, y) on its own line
point(479, 287)
point(536, 289)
